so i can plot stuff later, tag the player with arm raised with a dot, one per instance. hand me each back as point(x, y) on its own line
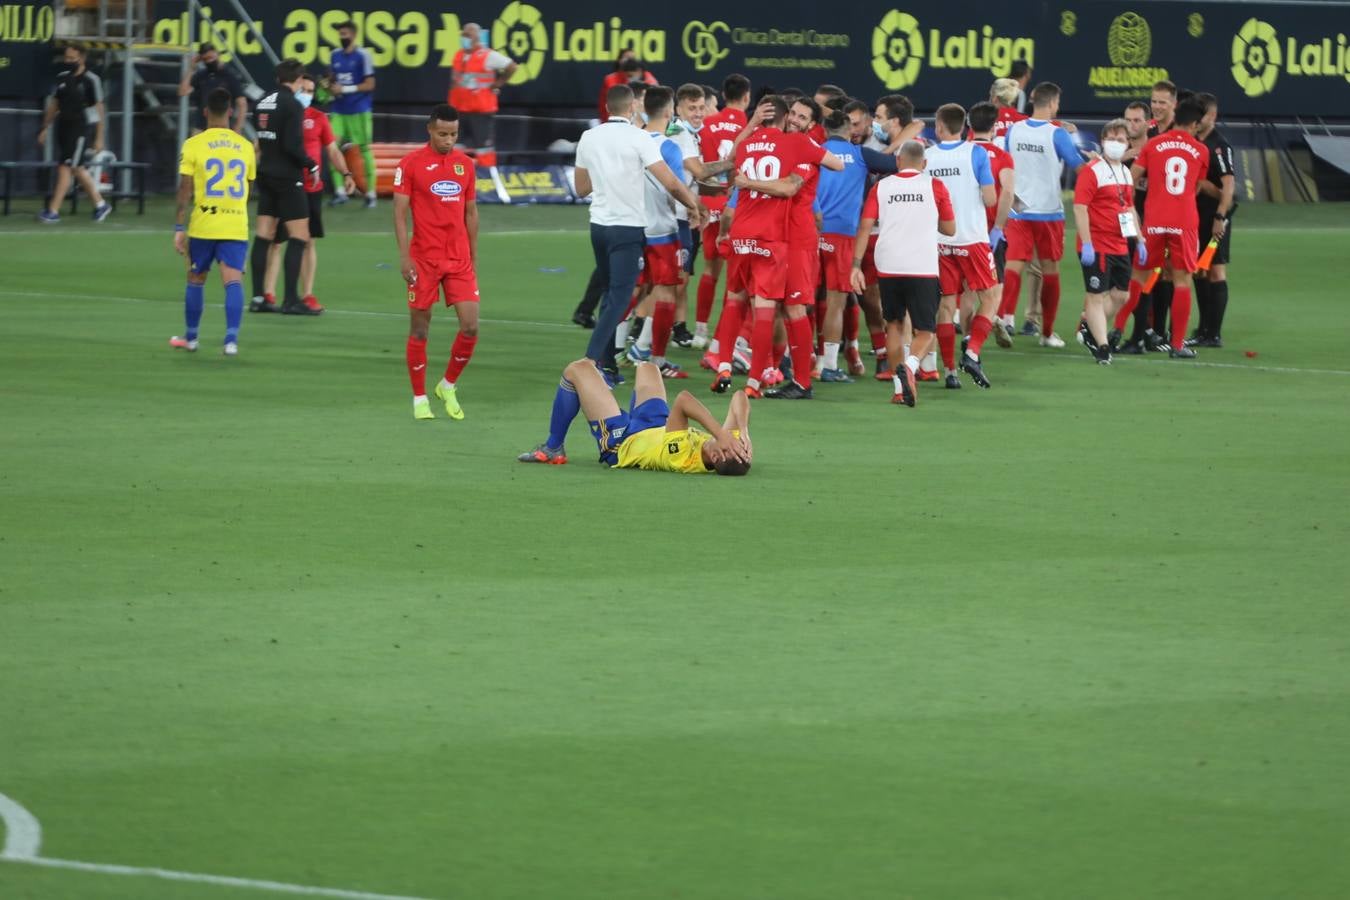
point(436, 183)
point(213, 177)
point(1036, 224)
point(652, 434)
point(1174, 162)
point(964, 258)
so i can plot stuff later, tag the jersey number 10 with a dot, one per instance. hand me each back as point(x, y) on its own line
point(215, 174)
point(765, 168)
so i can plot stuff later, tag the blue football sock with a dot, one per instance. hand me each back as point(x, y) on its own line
point(234, 310)
point(566, 405)
point(194, 301)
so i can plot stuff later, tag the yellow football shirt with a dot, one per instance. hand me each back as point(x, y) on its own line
point(658, 450)
point(221, 165)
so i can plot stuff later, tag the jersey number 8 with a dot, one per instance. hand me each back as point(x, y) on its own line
point(215, 173)
point(766, 168)
point(1175, 172)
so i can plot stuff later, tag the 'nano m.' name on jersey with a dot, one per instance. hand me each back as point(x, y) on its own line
point(447, 189)
point(906, 198)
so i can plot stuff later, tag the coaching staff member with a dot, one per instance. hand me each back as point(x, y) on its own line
point(209, 73)
point(614, 161)
point(282, 165)
point(76, 106)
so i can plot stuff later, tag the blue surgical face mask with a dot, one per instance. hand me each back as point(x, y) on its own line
point(880, 133)
point(305, 98)
point(644, 116)
point(466, 43)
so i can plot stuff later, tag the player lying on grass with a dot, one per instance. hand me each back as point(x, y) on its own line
point(652, 434)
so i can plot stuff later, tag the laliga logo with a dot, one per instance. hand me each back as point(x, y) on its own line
point(700, 44)
point(522, 30)
point(1256, 57)
point(897, 50)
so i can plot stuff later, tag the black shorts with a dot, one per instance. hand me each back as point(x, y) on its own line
point(73, 142)
point(917, 296)
point(1207, 232)
point(281, 198)
point(315, 200)
point(477, 130)
point(1108, 273)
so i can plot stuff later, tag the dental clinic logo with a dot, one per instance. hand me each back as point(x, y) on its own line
point(700, 43)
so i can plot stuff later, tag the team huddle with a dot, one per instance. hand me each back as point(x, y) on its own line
point(823, 213)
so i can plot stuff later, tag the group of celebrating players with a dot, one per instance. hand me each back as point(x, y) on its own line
point(823, 212)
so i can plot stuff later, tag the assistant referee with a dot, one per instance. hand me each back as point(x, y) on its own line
point(282, 164)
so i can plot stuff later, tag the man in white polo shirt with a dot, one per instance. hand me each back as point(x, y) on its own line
point(612, 160)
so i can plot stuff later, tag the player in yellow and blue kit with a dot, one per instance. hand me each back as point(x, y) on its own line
point(652, 434)
point(214, 176)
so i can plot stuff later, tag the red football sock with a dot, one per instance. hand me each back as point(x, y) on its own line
point(979, 330)
point(733, 312)
point(779, 350)
point(417, 366)
point(1049, 302)
point(761, 343)
point(1181, 315)
point(1123, 317)
point(799, 339)
point(852, 315)
point(461, 351)
point(879, 344)
point(1012, 287)
point(747, 328)
point(819, 321)
point(707, 292)
point(946, 335)
point(663, 319)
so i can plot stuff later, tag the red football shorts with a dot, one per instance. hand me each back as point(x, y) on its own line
point(764, 267)
point(836, 261)
point(869, 266)
point(736, 268)
point(1039, 239)
point(711, 232)
point(661, 264)
point(803, 274)
point(1176, 248)
point(971, 265)
point(456, 276)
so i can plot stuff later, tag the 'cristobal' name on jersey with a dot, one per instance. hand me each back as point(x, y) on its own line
point(1177, 145)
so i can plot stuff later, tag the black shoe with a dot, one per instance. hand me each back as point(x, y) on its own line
point(1113, 339)
point(1156, 343)
point(681, 335)
point(1213, 341)
point(584, 319)
point(1183, 353)
point(971, 366)
point(953, 382)
point(262, 305)
point(298, 309)
point(721, 383)
point(1132, 348)
point(1102, 355)
point(790, 391)
point(1085, 337)
point(635, 328)
point(1030, 328)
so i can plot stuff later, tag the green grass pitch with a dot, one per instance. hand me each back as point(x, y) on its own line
point(1085, 635)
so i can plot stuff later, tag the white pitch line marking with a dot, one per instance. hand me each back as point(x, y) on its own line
point(1286, 370)
point(23, 840)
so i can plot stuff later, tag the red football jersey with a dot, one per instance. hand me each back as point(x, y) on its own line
point(1174, 162)
point(715, 139)
point(1006, 116)
point(802, 220)
point(318, 134)
point(999, 159)
point(767, 155)
point(438, 187)
point(1107, 191)
point(817, 133)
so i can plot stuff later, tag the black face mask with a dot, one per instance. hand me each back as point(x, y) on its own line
point(346, 43)
point(64, 66)
point(213, 66)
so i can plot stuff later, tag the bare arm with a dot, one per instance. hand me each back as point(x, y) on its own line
point(48, 117)
point(687, 407)
point(185, 84)
point(99, 126)
point(832, 162)
point(471, 226)
point(240, 113)
point(702, 171)
point(184, 201)
point(780, 187)
point(860, 241)
point(1006, 180)
point(1080, 222)
point(583, 182)
point(406, 267)
point(910, 132)
point(1137, 174)
point(503, 76)
point(339, 164)
point(947, 227)
point(366, 86)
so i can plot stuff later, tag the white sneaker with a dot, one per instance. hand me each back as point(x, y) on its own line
point(700, 341)
point(1053, 340)
point(231, 349)
point(179, 343)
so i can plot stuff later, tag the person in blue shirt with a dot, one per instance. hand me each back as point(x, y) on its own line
point(839, 200)
point(351, 79)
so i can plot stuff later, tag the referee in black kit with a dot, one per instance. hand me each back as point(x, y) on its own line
point(1215, 205)
point(282, 161)
point(76, 106)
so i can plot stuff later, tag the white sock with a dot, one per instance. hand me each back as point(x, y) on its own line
point(930, 361)
point(620, 333)
point(743, 345)
point(449, 384)
point(904, 349)
point(895, 379)
point(853, 344)
point(658, 360)
point(700, 329)
point(712, 347)
point(420, 398)
point(831, 358)
point(913, 363)
point(370, 194)
point(974, 356)
point(644, 341)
